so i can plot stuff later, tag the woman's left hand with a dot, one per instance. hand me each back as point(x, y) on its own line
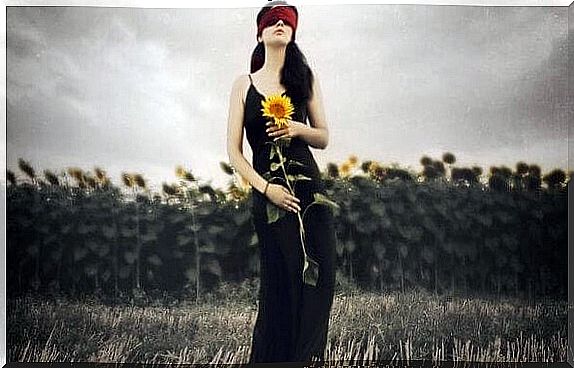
point(294, 129)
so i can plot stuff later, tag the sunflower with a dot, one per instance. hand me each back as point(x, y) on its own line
point(345, 169)
point(379, 173)
point(373, 166)
point(180, 171)
point(235, 193)
point(184, 174)
point(353, 160)
point(279, 108)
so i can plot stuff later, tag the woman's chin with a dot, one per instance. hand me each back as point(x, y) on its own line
point(279, 42)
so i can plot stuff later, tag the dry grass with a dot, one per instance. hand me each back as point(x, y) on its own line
point(364, 326)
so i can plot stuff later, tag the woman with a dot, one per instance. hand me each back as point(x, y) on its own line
point(293, 317)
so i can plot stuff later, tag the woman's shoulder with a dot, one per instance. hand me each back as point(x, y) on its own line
point(241, 81)
point(241, 84)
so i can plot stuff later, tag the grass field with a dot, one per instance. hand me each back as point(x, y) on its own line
point(411, 326)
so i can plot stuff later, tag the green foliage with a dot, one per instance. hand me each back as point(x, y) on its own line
point(391, 234)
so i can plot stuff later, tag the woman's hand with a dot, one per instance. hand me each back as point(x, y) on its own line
point(294, 129)
point(281, 197)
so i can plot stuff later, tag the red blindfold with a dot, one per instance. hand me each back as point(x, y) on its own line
point(284, 13)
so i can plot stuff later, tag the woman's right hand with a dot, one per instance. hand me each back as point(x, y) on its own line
point(281, 197)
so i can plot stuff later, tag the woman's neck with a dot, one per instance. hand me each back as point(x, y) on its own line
point(274, 60)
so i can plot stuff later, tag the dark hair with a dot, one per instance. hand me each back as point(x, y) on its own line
point(296, 75)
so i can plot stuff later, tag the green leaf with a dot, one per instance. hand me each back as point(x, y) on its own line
point(103, 250)
point(56, 255)
point(106, 275)
point(227, 168)
point(277, 165)
point(175, 219)
point(128, 232)
point(491, 243)
point(516, 266)
point(410, 233)
point(80, 253)
point(183, 240)
point(510, 241)
point(428, 255)
point(208, 248)
point(311, 272)
point(213, 267)
point(92, 245)
point(85, 229)
point(272, 152)
point(253, 263)
point(272, 213)
point(340, 247)
point(90, 270)
point(215, 229)
point(501, 260)
point(350, 246)
point(65, 229)
point(124, 272)
point(109, 231)
point(386, 223)
point(397, 207)
point(379, 250)
point(322, 199)
point(294, 162)
point(377, 208)
point(485, 219)
point(403, 250)
point(150, 236)
point(281, 143)
point(298, 177)
point(241, 217)
point(206, 210)
point(130, 257)
point(504, 217)
point(448, 246)
point(191, 274)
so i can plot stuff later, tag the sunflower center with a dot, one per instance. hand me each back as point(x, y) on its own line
point(277, 109)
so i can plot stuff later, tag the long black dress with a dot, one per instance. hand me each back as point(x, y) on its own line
point(293, 317)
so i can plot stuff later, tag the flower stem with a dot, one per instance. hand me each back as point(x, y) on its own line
point(302, 229)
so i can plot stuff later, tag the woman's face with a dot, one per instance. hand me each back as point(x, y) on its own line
point(277, 34)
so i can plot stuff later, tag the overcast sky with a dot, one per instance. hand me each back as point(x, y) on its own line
point(145, 90)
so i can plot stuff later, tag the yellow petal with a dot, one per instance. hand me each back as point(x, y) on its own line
point(279, 108)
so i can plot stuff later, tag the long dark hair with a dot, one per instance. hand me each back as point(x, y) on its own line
point(296, 75)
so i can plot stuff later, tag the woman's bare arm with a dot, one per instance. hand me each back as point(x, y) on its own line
point(235, 137)
point(316, 135)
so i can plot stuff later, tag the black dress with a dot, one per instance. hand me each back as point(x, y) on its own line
point(293, 317)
